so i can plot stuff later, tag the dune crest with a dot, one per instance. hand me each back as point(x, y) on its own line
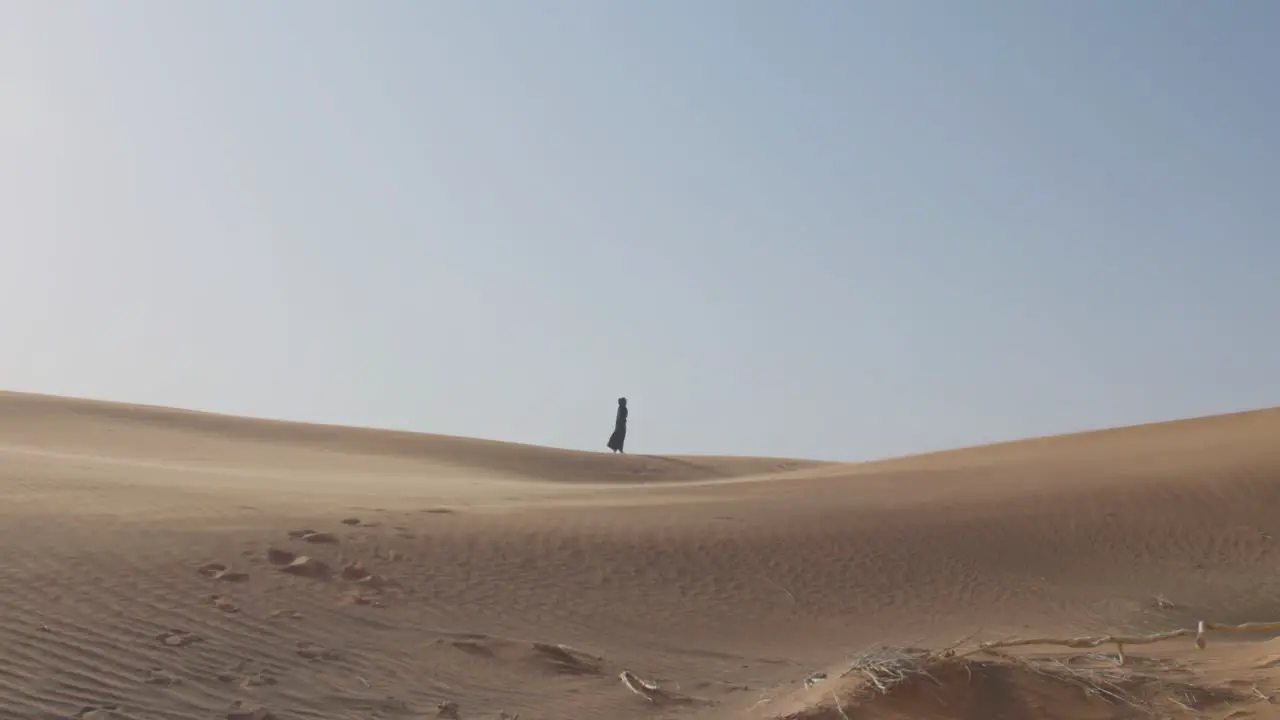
point(167, 563)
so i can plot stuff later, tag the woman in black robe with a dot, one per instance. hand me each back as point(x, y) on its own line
point(619, 436)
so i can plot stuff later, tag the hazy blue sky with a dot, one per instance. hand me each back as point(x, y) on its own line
point(829, 228)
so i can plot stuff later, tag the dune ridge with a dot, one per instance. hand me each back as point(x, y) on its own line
point(169, 563)
point(31, 416)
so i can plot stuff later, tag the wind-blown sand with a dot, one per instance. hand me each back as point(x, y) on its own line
point(151, 569)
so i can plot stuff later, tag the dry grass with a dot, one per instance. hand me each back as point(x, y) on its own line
point(1144, 688)
point(918, 682)
point(1110, 682)
point(887, 667)
point(1200, 632)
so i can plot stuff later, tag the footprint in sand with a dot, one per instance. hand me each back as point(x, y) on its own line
point(285, 615)
point(178, 638)
point(223, 603)
point(376, 583)
point(240, 711)
point(280, 557)
point(312, 536)
point(309, 567)
point(218, 571)
point(261, 678)
point(370, 586)
point(312, 651)
point(351, 521)
point(558, 659)
point(160, 676)
point(565, 660)
point(98, 712)
point(355, 571)
point(355, 597)
point(473, 648)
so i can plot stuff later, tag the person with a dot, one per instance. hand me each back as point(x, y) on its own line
point(619, 436)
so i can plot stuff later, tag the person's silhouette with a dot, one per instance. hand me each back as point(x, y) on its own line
point(619, 436)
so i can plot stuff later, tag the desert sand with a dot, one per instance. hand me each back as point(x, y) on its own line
point(163, 563)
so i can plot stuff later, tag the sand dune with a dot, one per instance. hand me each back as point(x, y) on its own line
point(169, 564)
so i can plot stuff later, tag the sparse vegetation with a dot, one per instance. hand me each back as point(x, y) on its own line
point(947, 683)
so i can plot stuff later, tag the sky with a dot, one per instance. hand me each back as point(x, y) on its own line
point(835, 229)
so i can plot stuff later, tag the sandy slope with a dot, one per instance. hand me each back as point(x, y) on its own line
point(143, 550)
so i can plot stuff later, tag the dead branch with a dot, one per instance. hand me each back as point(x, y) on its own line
point(1200, 632)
